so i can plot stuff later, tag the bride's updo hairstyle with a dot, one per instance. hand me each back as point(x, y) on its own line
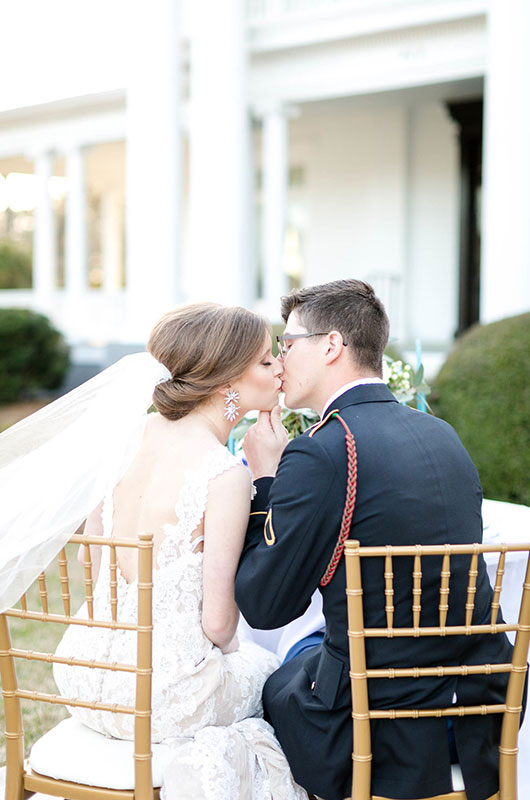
point(204, 346)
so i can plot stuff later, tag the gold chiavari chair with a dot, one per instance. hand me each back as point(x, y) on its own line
point(360, 674)
point(21, 780)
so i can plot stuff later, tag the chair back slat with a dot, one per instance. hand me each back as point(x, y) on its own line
point(447, 630)
point(416, 591)
point(445, 577)
point(89, 587)
point(377, 551)
point(389, 591)
point(59, 700)
point(450, 711)
point(362, 747)
point(65, 585)
point(499, 574)
point(113, 584)
point(471, 588)
point(14, 733)
point(438, 672)
point(62, 619)
point(50, 658)
point(510, 724)
point(357, 635)
point(142, 723)
point(43, 592)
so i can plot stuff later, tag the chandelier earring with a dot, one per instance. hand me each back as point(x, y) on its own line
point(231, 411)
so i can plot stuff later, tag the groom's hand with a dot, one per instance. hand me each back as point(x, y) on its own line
point(264, 443)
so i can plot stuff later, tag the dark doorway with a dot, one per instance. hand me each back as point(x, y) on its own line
point(468, 116)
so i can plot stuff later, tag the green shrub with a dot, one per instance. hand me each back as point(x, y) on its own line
point(33, 355)
point(483, 391)
point(15, 267)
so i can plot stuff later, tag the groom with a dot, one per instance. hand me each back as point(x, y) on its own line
point(416, 484)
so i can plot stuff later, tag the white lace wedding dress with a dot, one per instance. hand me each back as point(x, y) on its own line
point(207, 705)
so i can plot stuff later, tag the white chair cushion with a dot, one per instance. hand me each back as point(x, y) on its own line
point(73, 752)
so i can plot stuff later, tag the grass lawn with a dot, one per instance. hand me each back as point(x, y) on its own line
point(13, 412)
point(44, 637)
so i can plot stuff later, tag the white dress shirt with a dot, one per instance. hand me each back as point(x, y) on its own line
point(346, 388)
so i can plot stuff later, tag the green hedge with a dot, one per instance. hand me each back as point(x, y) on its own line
point(33, 355)
point(483, 390)
point(15, 267)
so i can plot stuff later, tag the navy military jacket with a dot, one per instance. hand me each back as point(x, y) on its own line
point(416, 484)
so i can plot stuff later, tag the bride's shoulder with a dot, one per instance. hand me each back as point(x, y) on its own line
point(227, 473)
point(191, 450)
point(229, 495)
point(221, 462)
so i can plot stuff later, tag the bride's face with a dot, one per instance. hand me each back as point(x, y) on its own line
point(260, 385)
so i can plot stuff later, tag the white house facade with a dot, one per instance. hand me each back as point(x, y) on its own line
point(270, 143)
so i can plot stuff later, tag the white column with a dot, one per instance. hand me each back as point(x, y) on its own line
point(220, 263)
point(505, 268)
point(75, 226)
point(275, 184)
point(111, 242)
point(153, 166)
point(44, 241)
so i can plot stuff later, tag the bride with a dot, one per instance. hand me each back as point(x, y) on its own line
point(211, 364)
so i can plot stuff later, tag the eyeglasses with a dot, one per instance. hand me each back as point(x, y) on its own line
point(283, 347)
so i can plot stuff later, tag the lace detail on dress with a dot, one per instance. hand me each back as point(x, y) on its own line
point(242, 761)
point(191, 504)
point(200, 696)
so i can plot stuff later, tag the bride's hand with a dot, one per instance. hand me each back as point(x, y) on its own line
point(232, 646)
point(264, 443)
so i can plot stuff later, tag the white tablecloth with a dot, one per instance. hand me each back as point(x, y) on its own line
point(280, 640)
point(509, 523)
point(503, 522)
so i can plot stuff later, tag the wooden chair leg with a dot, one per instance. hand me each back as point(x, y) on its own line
point(14, 788)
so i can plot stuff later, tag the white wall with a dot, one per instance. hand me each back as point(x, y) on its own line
point(355, 188)
point(432, 270)
point(382, 202)
point(59, 48)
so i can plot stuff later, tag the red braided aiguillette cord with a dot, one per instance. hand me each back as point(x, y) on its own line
point(349, 505)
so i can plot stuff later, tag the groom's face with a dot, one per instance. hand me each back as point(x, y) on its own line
point(301, 365)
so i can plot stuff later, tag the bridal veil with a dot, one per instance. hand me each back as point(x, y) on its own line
point(57, 464)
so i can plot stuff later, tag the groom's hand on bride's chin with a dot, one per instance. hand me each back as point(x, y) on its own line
point(264, 443)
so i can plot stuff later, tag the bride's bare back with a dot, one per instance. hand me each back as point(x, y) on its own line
point(145, 498)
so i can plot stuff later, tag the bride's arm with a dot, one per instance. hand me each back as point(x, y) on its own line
point(225, 525)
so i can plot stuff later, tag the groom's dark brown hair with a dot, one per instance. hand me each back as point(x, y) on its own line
point(349, 306)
